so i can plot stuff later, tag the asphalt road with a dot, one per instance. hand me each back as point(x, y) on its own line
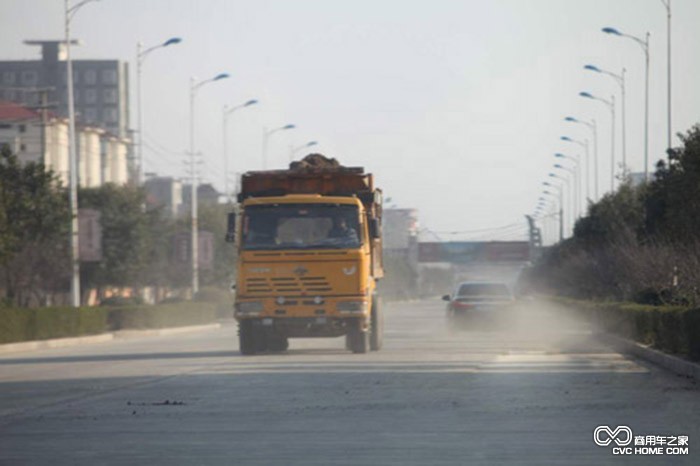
point(530, 391)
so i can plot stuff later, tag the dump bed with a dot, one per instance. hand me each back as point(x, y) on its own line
point(348, 182)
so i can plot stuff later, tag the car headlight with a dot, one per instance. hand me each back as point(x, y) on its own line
point(352, 307)
point(249, 307)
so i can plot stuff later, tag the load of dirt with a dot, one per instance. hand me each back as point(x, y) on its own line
point(316, 163)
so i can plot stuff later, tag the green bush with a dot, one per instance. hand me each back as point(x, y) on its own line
point(28, 324)
point(673, 329)
point(22, 324)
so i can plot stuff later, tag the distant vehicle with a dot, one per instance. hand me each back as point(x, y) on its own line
point(479, 300)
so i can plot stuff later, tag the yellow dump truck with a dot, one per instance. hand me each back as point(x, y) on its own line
point(309, 256)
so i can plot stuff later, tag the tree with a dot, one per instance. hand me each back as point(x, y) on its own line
point(673, 203)
point(127, 242)
point(34, 231)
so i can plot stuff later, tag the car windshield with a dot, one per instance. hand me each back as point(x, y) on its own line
point(484, 289)
point(301, 226)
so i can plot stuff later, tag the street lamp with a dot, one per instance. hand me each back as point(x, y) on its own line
point(140, 57)
point(645, 47)
point(266, 135)
point(620, 80)
point(194, 87)
point(69, 12)
point(565, 182)
point(611, 105)
point(561, 205)
point(294, 150)
point(576, 174)
point(228, 111)
point(583, 144)
point(572, 191)
point(592, 126)
point(667, 4)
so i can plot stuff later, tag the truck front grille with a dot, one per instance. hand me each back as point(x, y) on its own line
point(291, 285)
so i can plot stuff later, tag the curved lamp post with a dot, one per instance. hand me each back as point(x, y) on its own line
point(644, 44)
point(560, 197)
point(576, 174)
point(266, 135)
point(293, 150)
point(140, 57)
point(583, 144)
point(226, 113)
point(592, 126)
point(611, 106)
point(572, 191)
point(620, 80)
point(194, 87)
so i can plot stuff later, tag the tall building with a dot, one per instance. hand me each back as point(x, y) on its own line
point(101, 90)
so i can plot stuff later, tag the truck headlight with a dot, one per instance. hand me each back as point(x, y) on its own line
point(249, 307)
point(352, 307)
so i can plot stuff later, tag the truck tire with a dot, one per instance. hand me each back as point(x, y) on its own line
point(277, 344)
point(376, 339)
point(358, 339)
point(247, 340)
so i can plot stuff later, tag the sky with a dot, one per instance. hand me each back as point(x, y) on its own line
point(456, 106)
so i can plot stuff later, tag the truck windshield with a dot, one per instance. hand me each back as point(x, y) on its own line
point(301, 226)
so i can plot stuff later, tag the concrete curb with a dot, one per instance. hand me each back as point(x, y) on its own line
point(672, 363)
point(103, 337)
point(55, 343)
point(159, 332)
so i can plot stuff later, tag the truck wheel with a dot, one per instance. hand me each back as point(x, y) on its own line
point(376, 338)
point(359, 339)
point(278, 344)
point(247, 338)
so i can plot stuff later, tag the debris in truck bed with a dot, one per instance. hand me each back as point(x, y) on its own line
point(314, 163)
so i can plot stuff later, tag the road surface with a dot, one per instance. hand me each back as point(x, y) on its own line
point(529, 392)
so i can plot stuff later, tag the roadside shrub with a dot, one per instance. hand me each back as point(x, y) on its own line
point(673, 329)
point(121, 301)
point(23, 324)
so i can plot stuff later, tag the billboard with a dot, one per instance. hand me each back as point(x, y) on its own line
point(89, 235)
point(182, 248)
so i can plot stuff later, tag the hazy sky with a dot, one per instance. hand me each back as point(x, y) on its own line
point(456, 106)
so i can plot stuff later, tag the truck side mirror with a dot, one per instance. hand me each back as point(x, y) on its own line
point(446, 297)
point(375, 231)
point(231, 228)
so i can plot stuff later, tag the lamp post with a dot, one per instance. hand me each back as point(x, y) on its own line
point(667, 4)
point(565, 182)
point(583, 144)
point(69, 12)
point(140, 57)
point(611, 105)
point(572, 192)
point(266, 135)
point(592, 126)
point(226, 113)
point(645, 47)
point(294, 150)
point(620, 80)
point(576, 174)
point(561, 205)
point(194, 87)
